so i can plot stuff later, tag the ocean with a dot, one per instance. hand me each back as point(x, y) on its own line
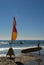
point(18, 45)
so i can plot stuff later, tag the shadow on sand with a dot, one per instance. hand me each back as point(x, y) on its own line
point(19, 63)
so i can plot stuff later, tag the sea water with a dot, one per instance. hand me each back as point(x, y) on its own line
point(18, 46)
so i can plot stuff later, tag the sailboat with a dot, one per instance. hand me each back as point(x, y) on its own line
point(10, 53)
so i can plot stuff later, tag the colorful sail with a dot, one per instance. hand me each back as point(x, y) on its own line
point(14, 31)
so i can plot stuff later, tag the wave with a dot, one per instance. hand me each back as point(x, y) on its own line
point(2, 55)
point(2, 49)
point(4, 42)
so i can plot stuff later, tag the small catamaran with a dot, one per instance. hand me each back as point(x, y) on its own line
point(10, 53)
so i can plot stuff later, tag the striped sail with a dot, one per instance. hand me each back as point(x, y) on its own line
point(14, 31)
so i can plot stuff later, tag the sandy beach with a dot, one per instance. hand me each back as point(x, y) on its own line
point(22, 60)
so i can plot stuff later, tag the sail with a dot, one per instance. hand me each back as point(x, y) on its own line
point(14, 31)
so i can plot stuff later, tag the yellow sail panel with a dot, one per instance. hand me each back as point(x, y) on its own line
point(14, 35)
point(14, 31)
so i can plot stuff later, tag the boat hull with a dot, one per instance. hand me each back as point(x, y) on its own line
point(31, 49)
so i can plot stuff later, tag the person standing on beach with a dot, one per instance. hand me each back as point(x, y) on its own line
point(38, 43)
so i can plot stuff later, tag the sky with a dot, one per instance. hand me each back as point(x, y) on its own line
point(29, 16)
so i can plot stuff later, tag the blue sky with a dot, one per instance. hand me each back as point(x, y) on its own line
point(29, 17)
